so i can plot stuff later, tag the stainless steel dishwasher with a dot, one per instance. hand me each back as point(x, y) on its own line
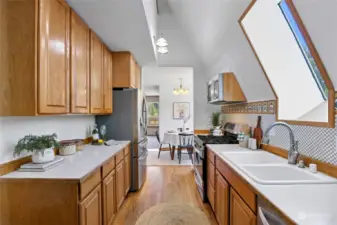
point(267, 215)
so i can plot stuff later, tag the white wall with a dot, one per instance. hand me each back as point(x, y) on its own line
point(282, 60)
point(66, 127)
point(215, 35)
point(167, 79)
point(250, 119)
point(182, 54)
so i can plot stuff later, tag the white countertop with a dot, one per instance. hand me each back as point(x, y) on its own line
point(307, 204)
point(74, 167)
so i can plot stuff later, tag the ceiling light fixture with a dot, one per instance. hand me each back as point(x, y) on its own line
point(181, 90)
point(162, 50)
point(161, 42)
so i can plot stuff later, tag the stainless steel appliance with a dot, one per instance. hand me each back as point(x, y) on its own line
point(200, 159)
point(267, 215)
point(128, 122)
point(216, 91)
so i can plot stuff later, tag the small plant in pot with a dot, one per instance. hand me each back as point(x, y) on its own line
point(42, 147)
point(215, 119)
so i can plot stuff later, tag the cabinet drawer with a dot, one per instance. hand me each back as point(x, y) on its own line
point(119, 157)
point(210, 156)
point(127, 150)
point(237, 183)
point(108, 167)
point(90, 183)
point(210, 172)
point(210, 194)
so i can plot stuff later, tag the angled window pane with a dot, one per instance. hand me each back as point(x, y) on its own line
point(304, 48)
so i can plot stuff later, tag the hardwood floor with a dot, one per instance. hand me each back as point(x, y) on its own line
point(164, 184)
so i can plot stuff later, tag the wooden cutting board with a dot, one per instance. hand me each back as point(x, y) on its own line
point(258, 134)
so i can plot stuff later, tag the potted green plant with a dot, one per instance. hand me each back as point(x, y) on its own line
point(42, 147)
point(215, 119)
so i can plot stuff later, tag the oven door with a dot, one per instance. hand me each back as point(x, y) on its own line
point(198, 163)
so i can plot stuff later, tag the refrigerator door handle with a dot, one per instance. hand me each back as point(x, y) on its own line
point(145, 155)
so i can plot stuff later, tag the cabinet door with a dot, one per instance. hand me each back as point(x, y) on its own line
point(138, 76)
point(211, 194)
point(53, 73)
point(90, 208)
point(133, 72)
point(80, 74)
point(96, 75)
point(107, 83)
point(240, 213)
point(120, 190)
point(221, 199)
point(127, 165)
point(210, 172)
point(109, 198)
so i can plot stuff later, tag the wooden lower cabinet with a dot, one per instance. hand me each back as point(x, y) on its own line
point(127, 165)
point(120, 183)
point(240, 213)
point(90, 208)
point(221, 199)
point(109, 198)
point(92, 200)
point(211, 194)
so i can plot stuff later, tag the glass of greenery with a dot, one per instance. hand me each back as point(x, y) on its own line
point(215, 119)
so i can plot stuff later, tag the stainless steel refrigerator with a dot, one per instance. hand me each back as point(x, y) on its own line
point(129, 122)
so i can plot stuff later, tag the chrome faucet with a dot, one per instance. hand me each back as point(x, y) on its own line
point(293, 151)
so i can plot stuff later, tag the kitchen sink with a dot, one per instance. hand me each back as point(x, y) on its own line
point(253, 157)
point(284, 174)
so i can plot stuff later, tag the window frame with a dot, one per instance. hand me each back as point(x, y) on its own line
point(316, 57)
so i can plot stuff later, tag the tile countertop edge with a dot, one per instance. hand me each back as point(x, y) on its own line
point(89, 152)
point(270, 193)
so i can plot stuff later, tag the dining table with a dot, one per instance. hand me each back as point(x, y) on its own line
point(172, 138)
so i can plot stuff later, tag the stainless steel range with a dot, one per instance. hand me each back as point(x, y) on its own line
point(200, 159)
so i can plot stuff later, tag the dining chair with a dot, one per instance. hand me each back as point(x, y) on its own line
point(161, 144)
point(185, 142)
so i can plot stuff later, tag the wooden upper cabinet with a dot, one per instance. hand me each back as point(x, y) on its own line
point(107, 82)
point(240, 213)
point(232, 89)
point(80, 73)
point(53, 74)
point(124, 70)
point(138, 76)
point(222, 200)
point(96, 75)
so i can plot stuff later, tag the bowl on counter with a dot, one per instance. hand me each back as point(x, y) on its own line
point(67, 147)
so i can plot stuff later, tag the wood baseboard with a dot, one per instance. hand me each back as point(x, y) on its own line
point(323, 167)
point(201, 131)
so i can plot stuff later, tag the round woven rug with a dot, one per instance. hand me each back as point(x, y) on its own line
point(173, 214)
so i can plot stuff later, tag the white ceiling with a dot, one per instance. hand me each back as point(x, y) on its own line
point(121, 24)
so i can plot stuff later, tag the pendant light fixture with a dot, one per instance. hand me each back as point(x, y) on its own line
point(161, 42)
point(162, 50)
point(181, 90)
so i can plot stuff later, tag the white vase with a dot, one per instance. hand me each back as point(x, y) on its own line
point(42, 157)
